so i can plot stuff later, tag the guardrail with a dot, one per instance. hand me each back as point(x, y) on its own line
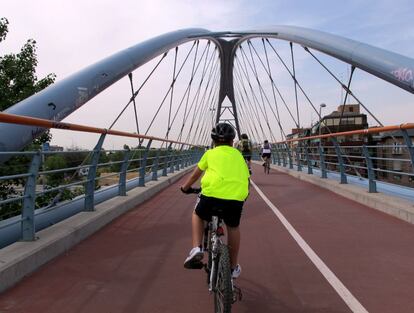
point(375, 161)
point(42, 181)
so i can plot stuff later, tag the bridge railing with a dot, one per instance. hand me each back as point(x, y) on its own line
point(354, 154)
point(35, 185)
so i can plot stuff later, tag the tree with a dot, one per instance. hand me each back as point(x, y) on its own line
point(18, 78)
point(18, 81)
point(55, 162)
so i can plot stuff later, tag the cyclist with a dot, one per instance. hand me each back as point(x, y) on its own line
point(245, 147)
point(266, 152)
point(224, 189)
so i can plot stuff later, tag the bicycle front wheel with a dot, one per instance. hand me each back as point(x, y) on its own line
point(223, 293)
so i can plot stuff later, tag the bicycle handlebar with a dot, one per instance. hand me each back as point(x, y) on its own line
point(191, 190)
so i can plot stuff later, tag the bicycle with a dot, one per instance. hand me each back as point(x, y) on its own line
point(219, 277)
point(266, 165)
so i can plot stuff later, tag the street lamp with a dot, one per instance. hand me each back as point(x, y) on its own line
point(322, 105)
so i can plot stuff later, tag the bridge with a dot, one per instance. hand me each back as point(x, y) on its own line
point(328, 230)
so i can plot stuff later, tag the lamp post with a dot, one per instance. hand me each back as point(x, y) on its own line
point(322, 105)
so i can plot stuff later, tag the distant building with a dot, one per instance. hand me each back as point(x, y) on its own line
point(297, 133)
point(56, 148)
point(347, 117)
point(394, 157)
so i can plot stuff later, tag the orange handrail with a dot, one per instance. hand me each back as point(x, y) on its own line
point(39, 122)
point(371, 130)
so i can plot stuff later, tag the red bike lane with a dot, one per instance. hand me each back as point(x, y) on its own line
point(135, 264)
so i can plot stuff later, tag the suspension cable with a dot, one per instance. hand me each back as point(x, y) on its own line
point(282, 134)
point(262, 92)
point(249, 111)
point(344, 87)
point(277, 89)
point(133, 100)
point(185, 117)
point(139, 89)
point(172, 92)
point(290, 73)
point(295, 82)
point(247, 103)
point(196, 97)
point(346, 96)
point(202, 103)
point(169, 89)
point(255, 100)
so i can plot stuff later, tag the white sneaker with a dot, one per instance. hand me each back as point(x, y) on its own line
point(236, 272)
point(194, 258)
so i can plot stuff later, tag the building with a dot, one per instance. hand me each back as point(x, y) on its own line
point(347, 117)
point(394, 158)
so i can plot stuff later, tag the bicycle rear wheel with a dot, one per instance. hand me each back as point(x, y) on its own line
point(223, 293)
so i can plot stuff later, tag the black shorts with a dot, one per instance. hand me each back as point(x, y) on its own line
point(247, 156)
point(229, 210)
point(266, 155)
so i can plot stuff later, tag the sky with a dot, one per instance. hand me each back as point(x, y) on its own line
point(71, 35)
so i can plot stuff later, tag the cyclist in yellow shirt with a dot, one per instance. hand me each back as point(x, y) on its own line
point(225, 187)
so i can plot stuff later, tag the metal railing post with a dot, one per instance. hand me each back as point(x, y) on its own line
point(372, 187)
point(187, 158)
point(308, 161)
point(166, 160)
point(196, 156)
point(410, 146)
point(155, 165)
point(172, 160)
point(340, 161)
point(179, 158)
point(142, 170)
point(123, 174)
point(28, 223)
point(289, 156)
point(299, 165)
point(284, 163)
point(90, 185)
point(322, 162)
point(277, 155)
point(273, 151)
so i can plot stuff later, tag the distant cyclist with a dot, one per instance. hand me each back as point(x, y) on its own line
point(225, 187)
point(266, 152)
point(245, 147)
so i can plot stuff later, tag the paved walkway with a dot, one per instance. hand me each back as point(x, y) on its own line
point(135, 263)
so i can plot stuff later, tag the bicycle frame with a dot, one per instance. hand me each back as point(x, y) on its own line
point(212, 246)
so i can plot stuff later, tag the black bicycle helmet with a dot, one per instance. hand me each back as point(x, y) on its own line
point(244, 136)
point(223, 132)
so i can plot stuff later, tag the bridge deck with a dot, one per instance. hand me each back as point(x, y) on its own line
point(135, 263)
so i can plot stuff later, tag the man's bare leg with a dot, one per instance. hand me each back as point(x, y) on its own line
point(234, 244)
point(197, 229)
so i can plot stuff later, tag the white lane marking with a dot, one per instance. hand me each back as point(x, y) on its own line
point(339, 287)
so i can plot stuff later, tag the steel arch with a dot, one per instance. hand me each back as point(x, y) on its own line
point(61, 99)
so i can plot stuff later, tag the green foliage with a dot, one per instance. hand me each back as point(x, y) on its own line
point(4, 29)
point(55, 162)
point(18, 81)
point(114, 157)
point(18, 78)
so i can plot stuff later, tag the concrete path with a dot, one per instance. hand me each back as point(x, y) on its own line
point(363, 259)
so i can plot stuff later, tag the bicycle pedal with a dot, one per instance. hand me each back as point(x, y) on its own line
point(237, 294)
point(196, 266)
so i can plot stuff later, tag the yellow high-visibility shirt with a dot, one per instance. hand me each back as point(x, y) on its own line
point(226, 174)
